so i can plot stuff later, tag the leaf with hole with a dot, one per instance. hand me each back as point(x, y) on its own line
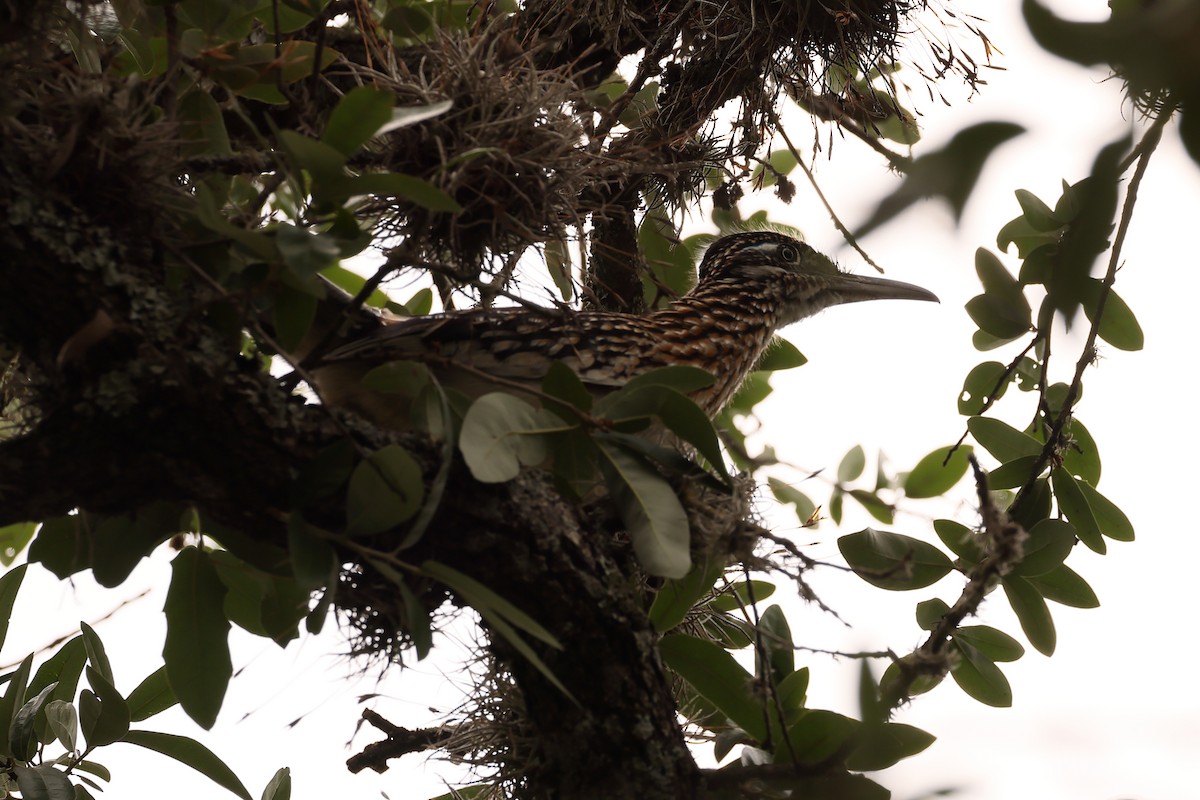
point(985, 383)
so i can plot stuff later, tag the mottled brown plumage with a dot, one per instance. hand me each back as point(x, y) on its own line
point(750, 285)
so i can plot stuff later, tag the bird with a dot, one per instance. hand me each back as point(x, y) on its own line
point(750, 284)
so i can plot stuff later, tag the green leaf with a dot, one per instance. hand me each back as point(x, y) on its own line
point(1073, 503)
point(1081, 457)
point(676, 411)
point(121, 541)
point(43, 782)
point(1031, 612)
point(95, 651)
point(393, 184)
point(313, 557)
point(22, 740)
point(876, 507)
point(817, 736)
point(61, 546)
point(501, 616)
point(1050, 542)
point(1111, 520)
point(112, 723)
point(280, 785)
point(152, 696)
point(929, 478)
point(13, 539)
point(718, 678)
point(882, 746)
point(780, 354)
point(995, 645)
point(501, 432)
point(852, 465)
point(357, 117)
point(775, 637)
point(1013, 474)
point(806, 509)
point(196, 652)
point(1119, 327)
point(1040, 216)
point(1065, 586)
point(385, 490)
point(63, 723)
point(479, 596)
point(305, 252)
point(191, 753)
point(558, 264)
point(962, 541)
point(1002, 440)
point(292, 314)
point(893, 561)
point(676, 597)
point(657, 523)
point(979, 677)
point(930, 612)
point(681, 378)
point(10, 584)
point(985, 382)
point(13, 699)
point(949, 173)
point(1001, 316)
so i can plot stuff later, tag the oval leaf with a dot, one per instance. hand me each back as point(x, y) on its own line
point(893, 561)
point(501, 432)
point(934, 475)
point(1002, 440)
point(385, 489)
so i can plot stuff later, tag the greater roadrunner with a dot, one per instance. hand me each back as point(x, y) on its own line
point(750, 285)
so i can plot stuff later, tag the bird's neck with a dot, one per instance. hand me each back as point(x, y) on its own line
point(723, 329)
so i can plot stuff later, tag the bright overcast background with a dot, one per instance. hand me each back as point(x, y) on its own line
point(1113, 714)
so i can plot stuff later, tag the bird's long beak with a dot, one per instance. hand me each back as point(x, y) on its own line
point(849, 288)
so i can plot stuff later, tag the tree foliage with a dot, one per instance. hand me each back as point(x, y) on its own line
point(182, 186)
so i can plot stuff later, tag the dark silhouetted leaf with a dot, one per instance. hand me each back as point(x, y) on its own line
point(196, 652)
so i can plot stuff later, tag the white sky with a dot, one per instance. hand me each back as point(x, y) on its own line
point(1111, 715)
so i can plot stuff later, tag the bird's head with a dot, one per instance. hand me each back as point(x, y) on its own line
point(770, 265)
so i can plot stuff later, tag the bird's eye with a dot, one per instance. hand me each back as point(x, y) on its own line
point(789, 254)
